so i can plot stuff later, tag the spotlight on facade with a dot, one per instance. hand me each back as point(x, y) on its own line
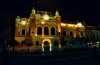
point(50, 47)
point(63, 24)
point(46, 17)
point(79, 24)
point(43, 22)
point(23, 22)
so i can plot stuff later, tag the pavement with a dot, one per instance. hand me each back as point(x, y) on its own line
point(75, 58)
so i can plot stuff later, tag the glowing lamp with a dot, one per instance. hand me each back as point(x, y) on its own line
point(23, 22)
point(35, 34)
point(59, 30)
point(97, 42)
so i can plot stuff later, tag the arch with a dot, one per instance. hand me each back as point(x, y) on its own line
point(48, 40)
point(23, 31)
point(52, 30)
point(46, 30)
point(39, 30)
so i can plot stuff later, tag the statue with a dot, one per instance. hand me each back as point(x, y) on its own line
point(57, 13)
point(33, 11)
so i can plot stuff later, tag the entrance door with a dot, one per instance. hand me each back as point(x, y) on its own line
point(46, 46)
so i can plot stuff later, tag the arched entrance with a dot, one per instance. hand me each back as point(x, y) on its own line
point(46, 45)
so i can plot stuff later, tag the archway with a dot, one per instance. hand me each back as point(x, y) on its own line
point(46, 45)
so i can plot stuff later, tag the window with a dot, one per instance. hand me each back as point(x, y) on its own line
point(23, 31)
point(56, 43)
point(52, 31)
point(93, 37)
point(71, 33)
point(81, 33)
point(39, 30)
point(64, 33)
point(46, 31)
point(37, 43)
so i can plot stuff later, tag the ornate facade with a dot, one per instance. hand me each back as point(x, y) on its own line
point(45, 29)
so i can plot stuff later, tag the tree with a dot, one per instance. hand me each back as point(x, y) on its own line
point(28, 42)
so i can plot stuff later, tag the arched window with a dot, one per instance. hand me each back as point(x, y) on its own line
point(77, 34)
point(52, 31)
point(46, 31)
point(71, 33)
point(37, 43)
point(64, 33)
point(23, 31)
point(39, 30)
point(81, 33)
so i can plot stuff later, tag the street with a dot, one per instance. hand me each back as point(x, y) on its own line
point(75, 58)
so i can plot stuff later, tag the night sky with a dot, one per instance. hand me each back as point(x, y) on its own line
point(87, 10)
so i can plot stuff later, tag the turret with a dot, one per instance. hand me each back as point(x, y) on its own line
point(32, 20)
point(58, 21)
point(32, 15)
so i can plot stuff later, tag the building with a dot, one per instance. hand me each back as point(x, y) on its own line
point(47, 31)
point(93, 35)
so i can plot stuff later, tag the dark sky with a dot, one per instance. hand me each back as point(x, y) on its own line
point(87, 10)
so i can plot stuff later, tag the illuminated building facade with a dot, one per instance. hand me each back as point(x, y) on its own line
point(41, 26)
point(93, 35)
point(47, 31)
